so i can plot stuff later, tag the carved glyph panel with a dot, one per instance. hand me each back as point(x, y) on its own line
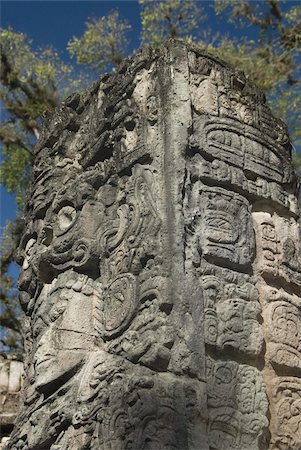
point(286, 424)
point(278, 247)
point(237, 405)
point(243, 147)
point(221, 223)
point(232, 315)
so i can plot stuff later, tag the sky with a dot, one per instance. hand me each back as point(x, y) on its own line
point(56, 22)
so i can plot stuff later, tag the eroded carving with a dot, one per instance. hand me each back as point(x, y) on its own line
point(237, 405)
point(161, 266)
point(232, 315)
point(287, 427)
point(221, 224)
point(278, 246)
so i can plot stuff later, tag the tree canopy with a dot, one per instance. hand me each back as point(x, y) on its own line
point(32, 81)
point(264, 41)
point(103, 43)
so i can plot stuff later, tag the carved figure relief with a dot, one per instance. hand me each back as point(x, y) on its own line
point(64, 337)
point(161, 266)
point(134, 220)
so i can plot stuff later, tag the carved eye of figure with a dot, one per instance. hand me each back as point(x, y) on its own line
point(46, 236)
point(66, 218)
point(29, 245)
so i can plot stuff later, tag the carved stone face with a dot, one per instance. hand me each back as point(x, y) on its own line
point(43, 194)
point(71, 240)
point(62, 345)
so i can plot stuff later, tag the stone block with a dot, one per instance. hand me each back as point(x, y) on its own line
point(161, 266)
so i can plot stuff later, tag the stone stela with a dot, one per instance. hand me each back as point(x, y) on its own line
point(161, 274)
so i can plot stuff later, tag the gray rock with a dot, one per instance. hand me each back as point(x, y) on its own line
point(161, 267)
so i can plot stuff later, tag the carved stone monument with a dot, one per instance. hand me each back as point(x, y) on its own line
point(11, 370)
point(161, 272)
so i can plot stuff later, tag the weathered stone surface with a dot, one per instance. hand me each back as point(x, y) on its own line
point(161, 271)
point(11, 372)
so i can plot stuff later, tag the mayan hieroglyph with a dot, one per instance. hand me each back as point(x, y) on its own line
point(161, 272)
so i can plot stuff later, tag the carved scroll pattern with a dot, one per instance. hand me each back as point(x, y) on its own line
point(136, 308)
point(92, 281)
point(113, 338)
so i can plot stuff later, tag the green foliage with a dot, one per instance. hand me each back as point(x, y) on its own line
point(15, 170)
point(103, 43)
point(271, 61)
point(11, 315)
point(33, 81)
point(170, 19)
point(279, 28)
point(260, 64)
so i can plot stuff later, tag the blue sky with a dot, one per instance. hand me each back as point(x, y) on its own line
point(55, 22)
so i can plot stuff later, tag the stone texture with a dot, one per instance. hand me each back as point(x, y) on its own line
point(11, 371)
point(161, 269)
